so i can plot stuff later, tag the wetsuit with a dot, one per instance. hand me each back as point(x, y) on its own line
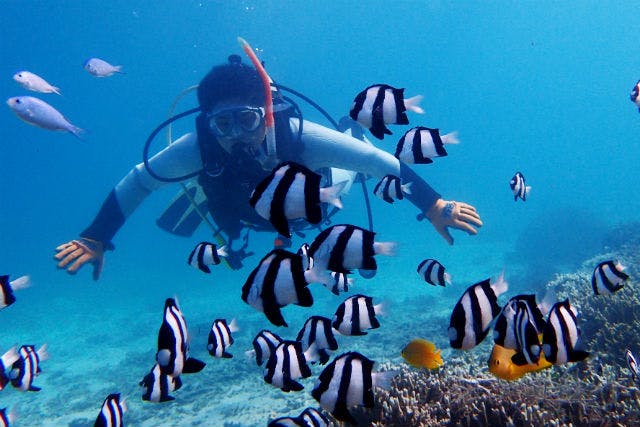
point(319, 147)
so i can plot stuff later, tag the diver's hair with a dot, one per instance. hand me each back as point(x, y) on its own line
point(233, 80)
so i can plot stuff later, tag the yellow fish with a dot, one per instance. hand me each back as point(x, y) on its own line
point(422, 354)
point(501, 366)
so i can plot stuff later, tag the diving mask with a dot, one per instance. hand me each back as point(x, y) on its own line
point(241, 119)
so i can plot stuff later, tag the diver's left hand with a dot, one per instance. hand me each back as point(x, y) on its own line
point(446, 213)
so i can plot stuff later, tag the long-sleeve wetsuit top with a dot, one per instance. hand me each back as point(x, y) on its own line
point(320, 147)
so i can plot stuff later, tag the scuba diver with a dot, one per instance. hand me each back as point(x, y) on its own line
point(228, 154)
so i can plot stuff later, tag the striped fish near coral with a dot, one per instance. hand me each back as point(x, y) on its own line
point(6, 361)
point(608, 278)
point(317, 332)
point(112, 411)
point(7, 418)
point(633, 365)
point(519, 187)
point(310, 417)
point(349, 381)
point(474, 312)
point(504, 330)
point(561, 335)
point(356, 314)
point(286, 364)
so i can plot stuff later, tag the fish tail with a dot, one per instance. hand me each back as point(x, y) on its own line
point(332, 194)
point(118, 69)
point(527, 190)
point(43, 353)
point(406, 188)
point(233, 325)
point(383, 379)
point(447, 278)
point(500, 286)
point(21, 282)
point(317, 275)
point(76, 131)
point(450, 138)
point(223, 251)
point(385, 248)
point(56, 90)
point(413, 104)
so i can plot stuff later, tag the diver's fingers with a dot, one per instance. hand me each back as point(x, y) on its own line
point(461, 225)
point(71, 257)
point(79, 262)
point(444, 232)
point(472, 218)
point(65, 250)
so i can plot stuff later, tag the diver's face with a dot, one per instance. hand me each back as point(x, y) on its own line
point(234, 123)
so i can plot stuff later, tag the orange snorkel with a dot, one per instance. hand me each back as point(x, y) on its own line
point(269, 121)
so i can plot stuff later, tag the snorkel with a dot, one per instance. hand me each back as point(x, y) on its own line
point(270, 136)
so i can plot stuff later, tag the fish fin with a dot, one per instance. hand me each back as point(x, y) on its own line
point(56, 90)
point(193, 365)
point(380, 132)
point(226, 355)
point(233, 325)
point(21, 282)
point(413, 104)
point(274, 315)
point(450, 138)
point(34, 388)
point(318, 275)
point(385, 248)
point(118, 69)
point(42, 352)
point(406, 188)
point(291, 385)
point(383, 379)
point(578, 355)
point(77, 132)
point(177, 383)
point(222, 251)
point(331, 194)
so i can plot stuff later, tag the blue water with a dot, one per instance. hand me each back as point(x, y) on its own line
point(538, 87)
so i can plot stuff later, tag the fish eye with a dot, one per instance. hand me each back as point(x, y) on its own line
point(17, 100)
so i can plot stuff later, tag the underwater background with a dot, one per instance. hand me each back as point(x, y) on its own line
point(537, 87)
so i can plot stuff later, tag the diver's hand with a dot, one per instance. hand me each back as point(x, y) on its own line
point(78, 253)
point(444, 214)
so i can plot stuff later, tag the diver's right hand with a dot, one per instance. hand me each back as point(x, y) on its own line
point(78, 253)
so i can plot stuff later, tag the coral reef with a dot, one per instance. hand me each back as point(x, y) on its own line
point(597, 392)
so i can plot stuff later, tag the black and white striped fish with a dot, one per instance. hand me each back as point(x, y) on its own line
point(344, 247)
point(157, 385)
point(173, 343)
point(390, 189)
point(290, 192)
point(561, 335)
point(112, 411)
point(277, 281)
point(504, 330)
point(206, 254)
point(6, 418)
point(340, 283)
point(433, 272)
point(633, 365)
point(357, 314)
point(348, 381)
point(527, 341)
point(286, 364)
point(6, 361)
point(220, 337)
point(420, 144)
point(310, 417)
point(307, 261)
point(608, 277)
point(519, 187)
point(27, 367)
point(7, 287)
point(264, 344)
point(635, 95)
point(317, 333)
point(380, 105)
point(473, 313)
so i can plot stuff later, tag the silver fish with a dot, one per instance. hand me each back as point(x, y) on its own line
point(100, 68)
point(34, 82)
point(38, 113)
